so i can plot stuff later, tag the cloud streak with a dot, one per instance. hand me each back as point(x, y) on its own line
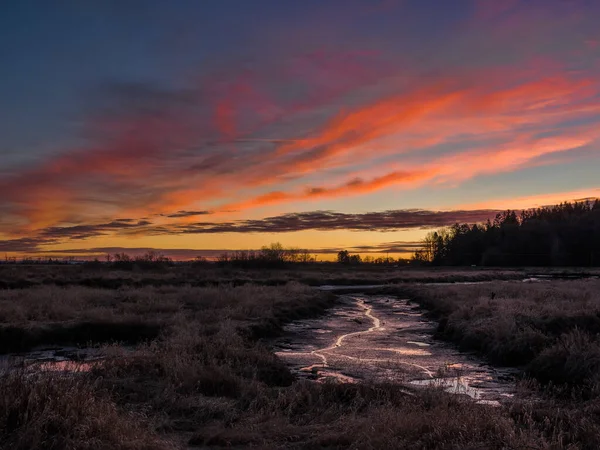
point(316, 126)
point(148, 161)
point(385, 221)
point(329, 220)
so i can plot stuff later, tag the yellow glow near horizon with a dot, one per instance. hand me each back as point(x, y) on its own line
point(313, 240)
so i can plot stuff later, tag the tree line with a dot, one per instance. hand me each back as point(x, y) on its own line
point(563, 235)
point(271, 256)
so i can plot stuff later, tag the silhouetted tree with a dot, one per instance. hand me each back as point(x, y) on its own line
point(343, 257)
point(563, 235)
point(355, 259)
point(271, 256)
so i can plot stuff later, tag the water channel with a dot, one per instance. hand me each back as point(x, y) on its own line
point(385, 339)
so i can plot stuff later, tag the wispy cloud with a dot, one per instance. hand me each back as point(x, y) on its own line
point(537, 201)
point(384, 221)
point(23, 245)
point(153, 156)
point(316, 126)
point(180, 214)
point(330, 220)
point(87, 231)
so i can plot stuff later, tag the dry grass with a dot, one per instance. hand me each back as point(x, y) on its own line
point(208, 381)
point(550, 328)
point(221, 390)
point(59, 413)
point(307, 416)
point(79, 315)
point(19, 277)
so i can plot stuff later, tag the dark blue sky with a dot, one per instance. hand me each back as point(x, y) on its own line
point(56, 54)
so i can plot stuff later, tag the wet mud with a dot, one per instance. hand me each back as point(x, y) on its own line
point(384, 339)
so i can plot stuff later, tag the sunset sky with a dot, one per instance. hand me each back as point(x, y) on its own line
point(196, 126)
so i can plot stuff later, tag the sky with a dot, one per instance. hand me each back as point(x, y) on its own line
point(195, 127)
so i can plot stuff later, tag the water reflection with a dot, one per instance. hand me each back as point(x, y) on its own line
point(59, 359)
point(461, 385)
point(383, 339)
point(64, 366)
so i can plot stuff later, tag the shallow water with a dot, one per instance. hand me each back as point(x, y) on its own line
point(349, 287)
point(55, 359)
point(382, 338)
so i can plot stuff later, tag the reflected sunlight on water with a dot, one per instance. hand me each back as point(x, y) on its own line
point(385, 339)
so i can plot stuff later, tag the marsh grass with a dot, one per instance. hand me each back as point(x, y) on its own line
point(213, 400)
point(56, 315)
point(208, 380)
point(46, 411)
point(105, 277)
point(551, 329)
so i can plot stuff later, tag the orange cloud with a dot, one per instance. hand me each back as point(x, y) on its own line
point(449, 169)
point(438, 112)
point(169, 155)
point(347, 131)
point(518, 154)
point(352, 187)
point(535, 201)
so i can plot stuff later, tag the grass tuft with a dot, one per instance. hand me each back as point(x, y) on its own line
point(57, 413)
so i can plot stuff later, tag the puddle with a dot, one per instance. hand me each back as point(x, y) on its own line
point(59, 359)
point(381, 338)
point(64, 366)
point(463, 385)
point(335, 287)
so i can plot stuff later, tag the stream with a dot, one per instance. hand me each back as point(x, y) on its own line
point(385, 339)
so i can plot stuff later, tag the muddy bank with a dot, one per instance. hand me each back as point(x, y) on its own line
point(381, 338)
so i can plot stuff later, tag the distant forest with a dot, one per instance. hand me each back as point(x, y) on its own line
point(564, 235)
